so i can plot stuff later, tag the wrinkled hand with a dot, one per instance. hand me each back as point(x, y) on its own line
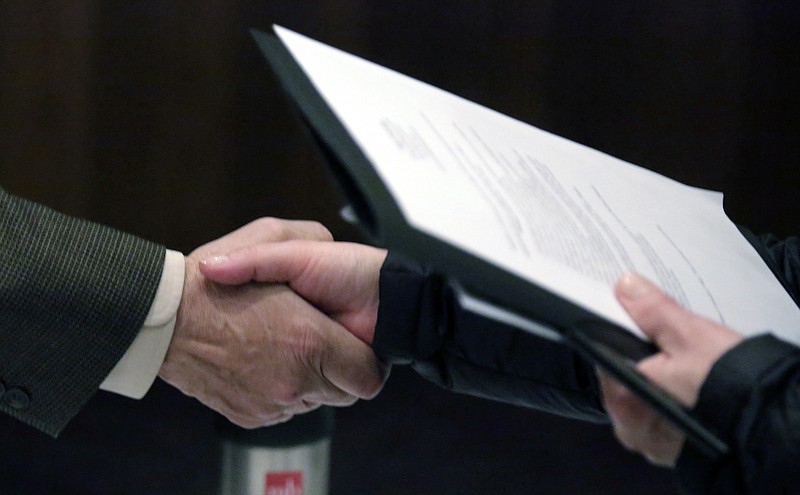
point(339, 278)
point(689, 346)
point(258, 353)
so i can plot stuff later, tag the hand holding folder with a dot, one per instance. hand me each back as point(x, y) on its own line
point(689, 346)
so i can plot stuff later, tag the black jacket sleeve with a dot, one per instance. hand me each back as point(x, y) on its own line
point(420, 324)
point(73, 295)
point(751, 399)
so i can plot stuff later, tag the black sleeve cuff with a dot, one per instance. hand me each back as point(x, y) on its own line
point(420, 323)
point(723, 398)
point(409, 319)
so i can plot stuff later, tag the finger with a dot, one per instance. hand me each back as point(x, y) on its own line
point(274, 262)
point(654, 312)
point(270, 229)
point(637, 427)
point(627, 413)
point(621, 405)
point(661, 442)
point(264, 230)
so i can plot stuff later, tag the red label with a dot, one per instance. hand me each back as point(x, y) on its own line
point(284, 483)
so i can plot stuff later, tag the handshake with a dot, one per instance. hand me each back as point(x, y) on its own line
point(276, 320)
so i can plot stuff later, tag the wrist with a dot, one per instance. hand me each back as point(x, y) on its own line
point(185, 320)
point(135, 372)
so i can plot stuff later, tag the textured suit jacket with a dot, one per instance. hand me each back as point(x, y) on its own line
point(73, 294)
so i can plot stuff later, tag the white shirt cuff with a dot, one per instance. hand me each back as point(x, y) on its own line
point(135, 373)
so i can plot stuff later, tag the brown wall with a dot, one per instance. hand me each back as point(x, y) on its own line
point(160, 117)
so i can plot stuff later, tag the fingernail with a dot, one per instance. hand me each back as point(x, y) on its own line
point(215, 260)
point(633, 286)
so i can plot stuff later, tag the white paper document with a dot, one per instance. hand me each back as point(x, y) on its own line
point(561, 215)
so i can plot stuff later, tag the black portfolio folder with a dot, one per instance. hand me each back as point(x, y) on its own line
point(482, 286)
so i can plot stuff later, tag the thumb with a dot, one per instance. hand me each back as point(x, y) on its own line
point(352, 366)
point(653, 311)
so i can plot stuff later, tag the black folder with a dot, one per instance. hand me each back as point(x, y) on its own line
point(482, 287)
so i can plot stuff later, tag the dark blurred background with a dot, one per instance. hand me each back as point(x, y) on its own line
point(161, 118)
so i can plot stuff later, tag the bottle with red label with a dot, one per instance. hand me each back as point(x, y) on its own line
point(291, 458)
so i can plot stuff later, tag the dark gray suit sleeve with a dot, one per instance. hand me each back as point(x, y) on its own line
point(73, 294)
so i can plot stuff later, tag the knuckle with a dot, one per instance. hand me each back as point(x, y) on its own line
point(250, 252)
point(242, 420)
point(348, 400)
point(250, 424)
point(310, 345)
point(321, 232)
point(265, 418)
point(286, 393)
point(278, 229)
point(305, 346)
point(275, 227)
